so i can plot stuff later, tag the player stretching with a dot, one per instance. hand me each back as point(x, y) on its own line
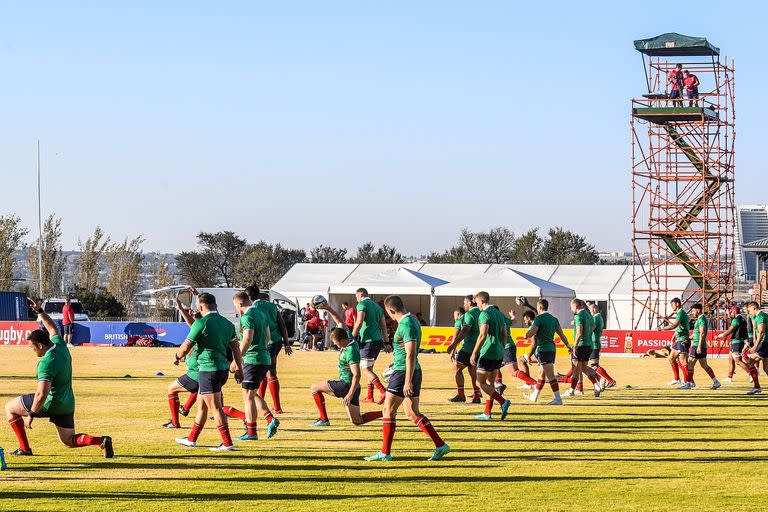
point(738, 333)
point(54, 398)
point(524, 361)
point(254, 340)
point(488, 354)
point(404, 384)
point(699, 348)
point(759, 352)
point(467, 336)
point(188, 381)
point(371, 328)
point(510, 361)
point(212, 334)
point(678, 356)
point(594, 358)
point(542, 330)
point(279, 341)
point(583, 330)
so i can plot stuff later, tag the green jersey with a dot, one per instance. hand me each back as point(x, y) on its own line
point(761, 318)
point(598, 332)
point(493, 346)
point(370, 330)
point(739, 330)
point(212, 335)
point(584, 319)
point(682, 331)
point(348, 356)
point(56, 367)
point(507, 326)
point(470, 319)
point(700, 337)
point(458, 324)
point(270, 312)
point(545, 335)
point(191, 362)
point(408, 331)
point(257, 353)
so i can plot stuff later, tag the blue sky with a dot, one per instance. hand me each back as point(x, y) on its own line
point(339, 122)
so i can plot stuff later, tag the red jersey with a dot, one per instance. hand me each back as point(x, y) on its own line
point(67, 314)
point(675, 78)
point(313, 323)
point(691, 82)
point(310, 311)
point(349, 317)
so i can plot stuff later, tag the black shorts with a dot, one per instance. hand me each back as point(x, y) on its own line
point(462, 358)
point(595, 355)
point(510, 355)
point(488, 365)
point(545, 357)
point(188, 383)
point(340, 390)
point(683, 346)
point(397, 381)
point(582, 353)
point(60, 420)
point(762, 350)
point(274, 351)
point(68, 329)
point(212, 382)
point(371, 349)
point(737, 346)
point(253, 374)
point(695, 355)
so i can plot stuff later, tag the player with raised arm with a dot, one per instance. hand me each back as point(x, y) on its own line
point(466, 337)
point(543, 330)
point(186, 382)
point(348, 386)
point(404, 384)
point(594, 358)
point(678, 356)
point(699, 347)
point(279, 341)
point(737, 332)
point(370, 331)
point(54, 398)
point(488, 354)
point(212, 334)
point(583, 329)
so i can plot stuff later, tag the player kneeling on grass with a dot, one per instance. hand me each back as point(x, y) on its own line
point(759, 352)
point(699, 348)
point(212, 334)
point(542, 330)
point(488, 354)
point(54, 398)
point(404, 384)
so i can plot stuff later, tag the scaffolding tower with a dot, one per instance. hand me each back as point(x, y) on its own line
point(683, 212)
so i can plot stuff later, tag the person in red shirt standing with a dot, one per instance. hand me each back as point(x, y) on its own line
point(68, 321)
point(691, 83)
point(676, 83)
point(349, 316)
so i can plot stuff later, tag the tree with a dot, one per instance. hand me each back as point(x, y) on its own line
point(492, 246)
point(52, 257)
point(264, 264)
point(99, 303)
point(124, 265)
point(222, 250)
point(527, 247)
point(367, 253)
point(563, 247)
point(160, 276)
point(194, 269)
point(91, 259)
point(455, 254)
point(11, 235)
point(327, 254)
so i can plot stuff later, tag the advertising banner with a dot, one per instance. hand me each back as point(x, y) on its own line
point(15, 333)
point(128, 333)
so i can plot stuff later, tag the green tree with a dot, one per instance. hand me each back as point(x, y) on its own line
point(11, 236)
point(327, 254)
point(563, 247)
point(368, 253)
point(99, 303)
point(222, 251)
point(527, 247)
point(194, 270)
point(264, 263)
point(124, 263)
point(52, 257)
point(160, 276)
point(91, 259)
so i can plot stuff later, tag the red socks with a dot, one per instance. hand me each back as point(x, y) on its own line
point(540, 385)
point(488, 406)
point(251, 429)
point(190, 401)
point(274, 390)
point(268, 417)
point(710, 372)
point(320, 403)
point(553, 384)
point(379, 386)
point(173, 403)
point(231, 412)
point(520, 374)
point(754, 374)
point(690, 373)
point(684, 369)
point(476, 393)
point(499, 378)
point(388, 431)
point(426, 426)
point(195, 432)
point(370, 391)
point(604, 374)
point(226, 439)
point(79, 440)
point(370, 416)
point(592, 378)
point(567, 377)
point(17, 424)
point(675, 369)
point(496, 396)
point(262, 388)
point(460, 392)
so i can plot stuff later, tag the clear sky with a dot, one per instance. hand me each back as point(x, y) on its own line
point(338, 122)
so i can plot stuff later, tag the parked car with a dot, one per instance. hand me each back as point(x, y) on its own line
point(54, 306)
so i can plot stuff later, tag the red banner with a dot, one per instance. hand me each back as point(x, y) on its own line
point(15, 333)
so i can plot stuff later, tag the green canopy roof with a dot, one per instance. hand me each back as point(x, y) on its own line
point(673, 44)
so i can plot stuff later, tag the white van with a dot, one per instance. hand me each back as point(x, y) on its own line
point(54, 307)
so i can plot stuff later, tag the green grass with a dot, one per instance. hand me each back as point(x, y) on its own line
point(645, 448)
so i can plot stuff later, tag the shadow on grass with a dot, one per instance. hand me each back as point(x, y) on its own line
point(43, 494)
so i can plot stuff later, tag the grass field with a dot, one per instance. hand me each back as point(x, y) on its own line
point(644, 448)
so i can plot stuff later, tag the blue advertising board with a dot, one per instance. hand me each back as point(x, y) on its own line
point(125, 333)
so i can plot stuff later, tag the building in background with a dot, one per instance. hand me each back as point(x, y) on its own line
point(751, 225)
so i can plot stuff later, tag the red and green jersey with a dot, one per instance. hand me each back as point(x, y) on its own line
point(349, 355)
point(470, 319)
point(56, 367)
point(270, 312)
point(370, 330)
point(408, 331)
point(493, 346)
point(545, 335)
point(584, 319)
point(212, 334)
point(682, 331)
point(597, 334)
point(257, 353)
point(700, 336)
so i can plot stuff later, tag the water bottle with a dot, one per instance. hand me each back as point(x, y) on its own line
point(3, 467)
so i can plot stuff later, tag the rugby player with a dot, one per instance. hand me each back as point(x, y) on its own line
point(759, 352)
point(594, 358)
point(583, 330)
point(278, 341)
point(525, 360)
point(404, 385)
point(254, 342)
point(467, 337)
point(54, 398)
point(348, 386)
point(699, 348)
point(211, 334)
point(510, 361)
point(542, 331)
point(187, 382)
point(370, 330)
point(678, 356)
point(488, 354)
point(738, 334)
